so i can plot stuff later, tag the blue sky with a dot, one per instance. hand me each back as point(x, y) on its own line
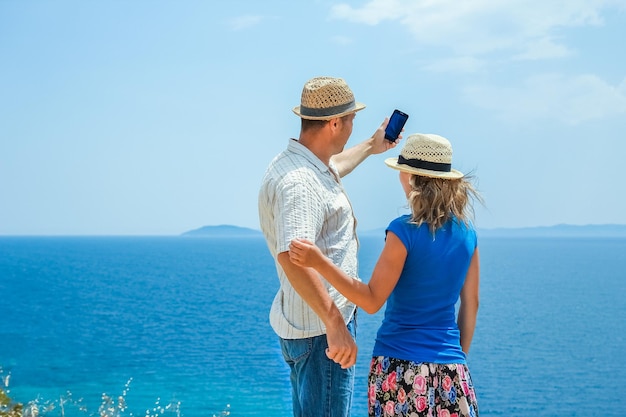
point(156, 117)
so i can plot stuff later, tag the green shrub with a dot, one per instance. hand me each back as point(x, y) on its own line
point(8, 408)
point(66, 406)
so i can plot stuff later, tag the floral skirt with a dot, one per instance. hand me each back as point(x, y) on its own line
point(409, 389)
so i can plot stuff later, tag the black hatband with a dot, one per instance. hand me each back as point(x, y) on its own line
point(418, 163)
point(328, 111)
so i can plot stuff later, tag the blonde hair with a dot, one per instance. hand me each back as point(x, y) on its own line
point(435, 201)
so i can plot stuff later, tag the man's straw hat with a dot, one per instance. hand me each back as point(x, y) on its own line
point(427, 155)
point(324, 98)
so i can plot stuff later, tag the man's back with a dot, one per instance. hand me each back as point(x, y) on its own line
point(300, 197)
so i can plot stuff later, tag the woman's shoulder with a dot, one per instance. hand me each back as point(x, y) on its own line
point(401, 221)
point(404, 226)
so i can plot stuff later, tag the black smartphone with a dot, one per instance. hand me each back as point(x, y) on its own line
point(396, 123)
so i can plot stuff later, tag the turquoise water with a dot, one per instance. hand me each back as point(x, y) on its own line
point(186, 320)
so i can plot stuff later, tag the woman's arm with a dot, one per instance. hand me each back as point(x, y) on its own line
point(341, 347)
point(371, 296)
point(469, 303)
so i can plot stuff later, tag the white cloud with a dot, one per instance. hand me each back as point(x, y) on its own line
point(572, 100)
point(245, 22)
point(526, 29)
point(372, 13)
point(544, 48)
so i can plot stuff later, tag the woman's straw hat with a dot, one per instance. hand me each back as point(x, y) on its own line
point(324, 98)
point(427, 155)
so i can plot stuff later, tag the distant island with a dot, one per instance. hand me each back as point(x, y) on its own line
point(559, 230)
point(223, 230)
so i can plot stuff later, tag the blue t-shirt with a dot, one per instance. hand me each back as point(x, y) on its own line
point(420, 317)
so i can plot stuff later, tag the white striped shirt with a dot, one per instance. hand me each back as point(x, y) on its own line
point(300, 197)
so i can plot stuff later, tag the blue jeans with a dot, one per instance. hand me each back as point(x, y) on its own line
point(319, 387)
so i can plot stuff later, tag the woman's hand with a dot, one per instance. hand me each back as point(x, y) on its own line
point(304, 253)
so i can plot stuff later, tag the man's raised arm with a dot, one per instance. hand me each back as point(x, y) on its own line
point(350, 158)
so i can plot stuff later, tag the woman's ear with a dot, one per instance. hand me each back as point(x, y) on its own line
point(405, 181)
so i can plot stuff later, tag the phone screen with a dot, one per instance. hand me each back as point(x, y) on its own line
point(396, 123)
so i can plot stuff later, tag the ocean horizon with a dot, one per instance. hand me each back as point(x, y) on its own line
point(561, 230)
point(185, 320)
point(556, 230)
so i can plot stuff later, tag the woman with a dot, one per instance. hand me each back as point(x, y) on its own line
point(429, 261)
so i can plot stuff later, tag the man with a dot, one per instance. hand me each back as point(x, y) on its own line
point(301, 196)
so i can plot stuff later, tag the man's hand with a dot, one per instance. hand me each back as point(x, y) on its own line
point(378, 142)
point(342, 348)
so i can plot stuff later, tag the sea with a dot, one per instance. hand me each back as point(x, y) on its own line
point(151, 326)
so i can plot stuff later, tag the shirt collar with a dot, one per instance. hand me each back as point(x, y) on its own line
point(297, 147)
